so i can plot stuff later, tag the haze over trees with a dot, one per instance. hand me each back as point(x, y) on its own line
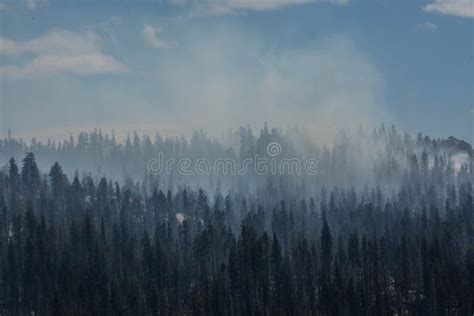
point(385, 227)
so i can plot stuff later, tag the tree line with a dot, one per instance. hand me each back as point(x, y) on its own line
point(87, 245)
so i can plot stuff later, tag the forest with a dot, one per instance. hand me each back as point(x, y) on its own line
point(384, 228)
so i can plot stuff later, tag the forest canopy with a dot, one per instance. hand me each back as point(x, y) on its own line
point(385, 228)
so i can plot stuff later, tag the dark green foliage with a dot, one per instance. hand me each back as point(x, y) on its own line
point(93, 247)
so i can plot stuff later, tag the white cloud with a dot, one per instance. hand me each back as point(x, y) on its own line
point(31, 4)
point(262, 5)
point(463, 8)
point(8, 47)
point(275, 4)
point(430, 26)
point(55, 41)
point(221, 7)
point(150, 37)
point(83, 64)
point(59, 51)
point(34, 4)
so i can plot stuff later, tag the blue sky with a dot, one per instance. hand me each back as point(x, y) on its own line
point(174, 65)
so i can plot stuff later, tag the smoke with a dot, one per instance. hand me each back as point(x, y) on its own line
point(459, 160)
point(229, 81)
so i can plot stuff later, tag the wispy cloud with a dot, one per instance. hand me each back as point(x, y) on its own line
point(150, 37)
point(59, 51)
point(106, 28)
point(3, 7)
point(463, 8)
point(222, 7)
point(430, 26)
point(34, 4)
point(55, 41)
point(84, 64)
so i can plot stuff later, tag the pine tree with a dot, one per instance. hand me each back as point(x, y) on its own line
point(30, 176)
